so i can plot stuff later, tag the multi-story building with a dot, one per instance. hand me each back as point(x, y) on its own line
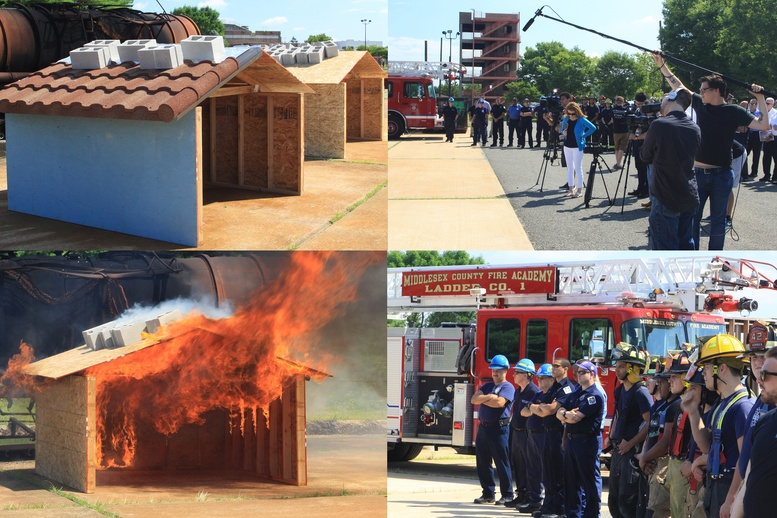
point(238, 35)
point(490, 44)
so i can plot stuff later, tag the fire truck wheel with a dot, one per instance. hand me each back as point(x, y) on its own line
point(396, 126)
point(403, 452)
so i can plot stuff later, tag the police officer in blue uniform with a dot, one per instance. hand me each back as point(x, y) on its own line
point(523, 455)
point(582, 417)
point(553, 461)
point(496, 401)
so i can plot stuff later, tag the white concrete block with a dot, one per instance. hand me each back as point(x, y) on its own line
point(153, 324)
point(160, 57)
point(300, 57)
point(331, 49)
point(89, 58)
point(111, 45)
point(94, 338)
point(287, 59)
point(128, 333)
point(128, 51)
point(315, 54)
point(203, 48)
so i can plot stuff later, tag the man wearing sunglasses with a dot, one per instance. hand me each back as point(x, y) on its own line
point(718, 122)
point(761, 477)
point(671, 146)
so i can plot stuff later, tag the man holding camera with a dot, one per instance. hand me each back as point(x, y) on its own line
point(671, 146)
point(718, 122)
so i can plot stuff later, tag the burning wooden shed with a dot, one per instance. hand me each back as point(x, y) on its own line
point(126, 144)
point(170, 401)
point(348, 103)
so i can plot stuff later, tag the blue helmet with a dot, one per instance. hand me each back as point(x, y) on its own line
point(525, 365)
point(499, 362)
point(545, 370)
point(451, 99)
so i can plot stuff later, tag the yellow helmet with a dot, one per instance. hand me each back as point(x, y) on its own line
point(720, 347)
point(625, 352)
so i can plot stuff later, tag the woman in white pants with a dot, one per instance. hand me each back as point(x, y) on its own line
point(575, 127)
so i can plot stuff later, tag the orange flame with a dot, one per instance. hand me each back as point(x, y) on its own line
point(14, 383)
point(236, 364)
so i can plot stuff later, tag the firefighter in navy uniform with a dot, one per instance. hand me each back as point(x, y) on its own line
point(760, 339)
point(523, 455)
point(449, 114)
point(628, 430)
point(535, 425)
point(679, 437)
point(552, 460)
point(582, 417)
point(496, 401)
point(724, 431)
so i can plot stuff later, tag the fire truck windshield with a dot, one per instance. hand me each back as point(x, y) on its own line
point(660, 336)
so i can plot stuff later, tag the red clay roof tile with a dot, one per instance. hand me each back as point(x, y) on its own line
point(116, 91)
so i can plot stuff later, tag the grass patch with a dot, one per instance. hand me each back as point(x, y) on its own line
point(340, 215)
point(83, 503)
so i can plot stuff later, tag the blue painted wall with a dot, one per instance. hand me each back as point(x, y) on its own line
point(134, 177)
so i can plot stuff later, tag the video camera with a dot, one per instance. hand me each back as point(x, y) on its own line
point(552, 103)
point(639, 120)
point(593, 149)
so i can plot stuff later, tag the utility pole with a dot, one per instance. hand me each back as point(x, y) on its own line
point(449, 35)
point(365, 22)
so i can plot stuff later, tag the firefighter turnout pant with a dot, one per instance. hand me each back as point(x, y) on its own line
point(678, 488)
point(491, 443)
point(715, 492)
point(624, 485)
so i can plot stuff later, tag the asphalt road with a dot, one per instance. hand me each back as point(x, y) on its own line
point(444, 484)
point(553, 222)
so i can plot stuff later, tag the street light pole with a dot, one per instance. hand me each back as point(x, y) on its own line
point(365, 22)
point(449, 35)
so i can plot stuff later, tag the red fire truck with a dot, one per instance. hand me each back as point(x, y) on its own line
point(571, 310)
point(412, 97)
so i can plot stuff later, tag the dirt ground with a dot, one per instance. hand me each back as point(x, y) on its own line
point(234, 219)
point(346, 478)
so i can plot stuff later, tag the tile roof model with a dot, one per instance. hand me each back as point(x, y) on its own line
point(124, 91)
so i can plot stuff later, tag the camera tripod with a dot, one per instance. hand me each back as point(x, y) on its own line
point(550, 155)
point(589, 185)
point(625, 170)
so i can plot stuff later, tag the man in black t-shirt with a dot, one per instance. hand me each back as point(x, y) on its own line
point(498, 111)
point(718, 122)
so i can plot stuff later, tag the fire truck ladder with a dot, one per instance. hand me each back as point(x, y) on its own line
point(681, 282)
point(439, 70)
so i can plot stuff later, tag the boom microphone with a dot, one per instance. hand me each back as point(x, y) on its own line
point(531, 21)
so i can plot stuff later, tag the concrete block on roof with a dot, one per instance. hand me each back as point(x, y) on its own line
point(128, 51)
point(128, 333)
point(204, 48)
point(89, 58)
point(95, 337)
point(160, 57)
point(153, 325)
point(287, 59)
point(111, 45)
point(301, 57)
point(331, 49)
point(315, 54)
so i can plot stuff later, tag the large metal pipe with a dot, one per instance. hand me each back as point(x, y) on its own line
point(34, 36)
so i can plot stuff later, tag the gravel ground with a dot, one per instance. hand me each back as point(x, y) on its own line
point(556, 223)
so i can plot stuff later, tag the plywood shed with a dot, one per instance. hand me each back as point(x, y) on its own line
point(128, 149)
point(271, 447)
point(348, 103)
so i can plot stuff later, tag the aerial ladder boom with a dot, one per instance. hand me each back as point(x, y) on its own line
point(437, 69)
point(687, 283)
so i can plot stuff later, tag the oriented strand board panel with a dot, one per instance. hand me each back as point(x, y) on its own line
point(65, 434)
point(372, 110)
point(255, 155)
point(325, 121)
point(287, 146)
point(353, 108)
point(224, 139)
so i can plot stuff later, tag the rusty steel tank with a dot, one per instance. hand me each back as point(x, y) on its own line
point(35, 35)
point(48, 301)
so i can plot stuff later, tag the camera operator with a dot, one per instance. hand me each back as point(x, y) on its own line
point(636, 137)
point(620, 130)
point(718, 121)
point(605, 124)
point(592, 112)
point(671, 145)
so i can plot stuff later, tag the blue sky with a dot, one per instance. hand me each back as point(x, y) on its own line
point(300, 19)
point(411, 22)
